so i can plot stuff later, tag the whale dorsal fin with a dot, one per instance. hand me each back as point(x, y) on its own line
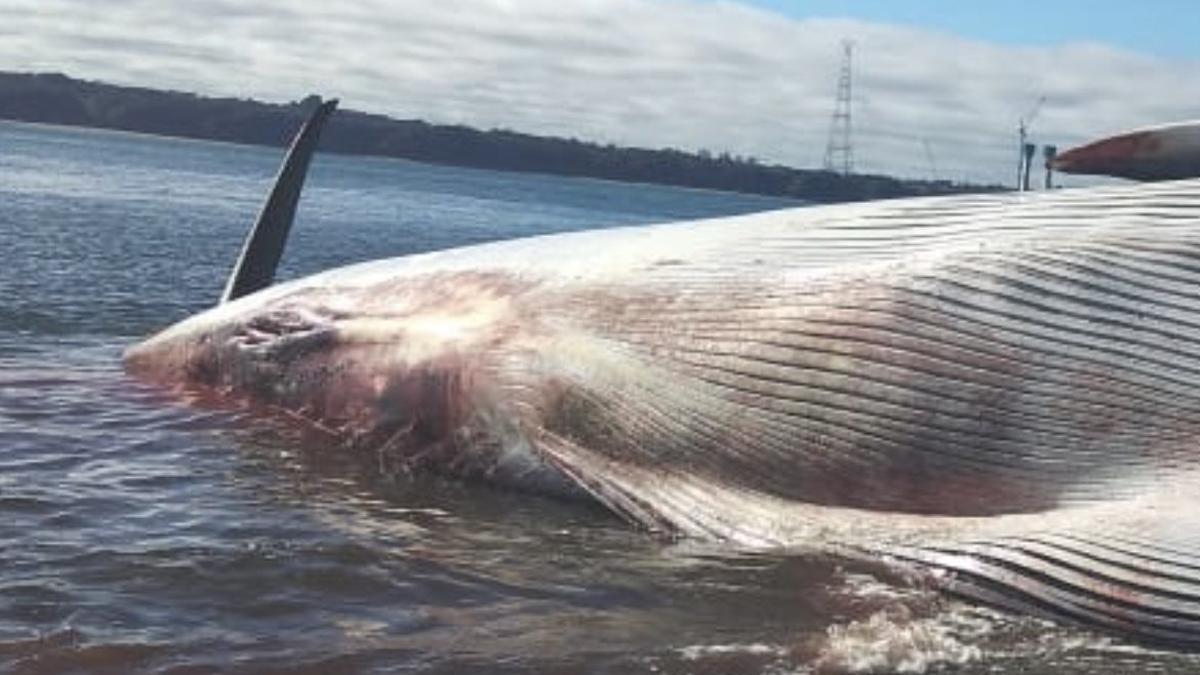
point(255, 268)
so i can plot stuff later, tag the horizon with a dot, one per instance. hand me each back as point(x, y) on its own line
point(88, 128)
point(938, 94)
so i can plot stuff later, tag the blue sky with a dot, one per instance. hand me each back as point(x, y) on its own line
point(1169, 28)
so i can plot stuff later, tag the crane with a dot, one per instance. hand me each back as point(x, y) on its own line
point(933, 172)
point(1023, 132)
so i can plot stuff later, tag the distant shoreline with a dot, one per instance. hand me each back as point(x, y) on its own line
point(78, 129)
point(61, 101)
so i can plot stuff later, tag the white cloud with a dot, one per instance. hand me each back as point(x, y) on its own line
point(682, 73)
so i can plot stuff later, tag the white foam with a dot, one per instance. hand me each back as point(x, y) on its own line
point(1065, 646)
point(697, 652)
point(864, 586)
point(892, 640)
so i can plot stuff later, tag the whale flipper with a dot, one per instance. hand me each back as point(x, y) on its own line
point(255, 268)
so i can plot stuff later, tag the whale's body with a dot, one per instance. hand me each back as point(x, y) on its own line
point(905, 377)
point(1004, 389)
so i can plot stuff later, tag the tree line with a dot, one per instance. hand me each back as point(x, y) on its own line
point(57, 99)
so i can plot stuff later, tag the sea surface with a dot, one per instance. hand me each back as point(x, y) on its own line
point(139, 535)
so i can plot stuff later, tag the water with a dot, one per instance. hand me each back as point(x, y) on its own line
point(137, 535)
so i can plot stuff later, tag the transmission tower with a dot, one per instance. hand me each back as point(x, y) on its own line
point(839, 152)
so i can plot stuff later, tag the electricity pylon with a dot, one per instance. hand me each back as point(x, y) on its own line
point(839, 152)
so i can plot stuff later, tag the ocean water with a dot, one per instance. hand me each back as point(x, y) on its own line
point(139, 535)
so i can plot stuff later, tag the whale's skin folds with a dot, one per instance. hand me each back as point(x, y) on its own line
point(1001, 388)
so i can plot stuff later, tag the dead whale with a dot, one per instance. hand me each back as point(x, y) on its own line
point(1001, 390)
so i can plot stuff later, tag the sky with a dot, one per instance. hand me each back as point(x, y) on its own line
point(1162, 27)
point(938, 87)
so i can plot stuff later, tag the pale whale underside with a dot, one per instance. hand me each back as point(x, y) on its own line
point(1001, 387)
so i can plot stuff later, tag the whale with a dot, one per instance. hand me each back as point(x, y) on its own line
point(997, 392)
point(1158, 152)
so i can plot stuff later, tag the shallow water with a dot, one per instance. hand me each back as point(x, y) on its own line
point(140, 535)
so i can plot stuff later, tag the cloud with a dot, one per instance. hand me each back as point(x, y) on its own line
point(681, 73)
